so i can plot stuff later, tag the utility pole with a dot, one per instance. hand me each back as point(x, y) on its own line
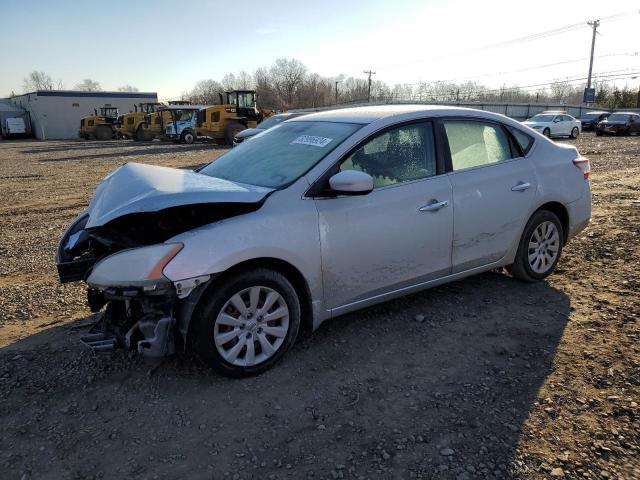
point(369, 72)
point(337, 82)
point(594, 24)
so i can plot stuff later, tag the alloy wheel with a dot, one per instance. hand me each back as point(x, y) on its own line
point(251, 326)
point(544, 246)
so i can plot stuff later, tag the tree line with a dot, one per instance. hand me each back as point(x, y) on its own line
point(288, 84)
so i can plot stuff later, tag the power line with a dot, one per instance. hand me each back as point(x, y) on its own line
point(537, 67)
point(524, 39)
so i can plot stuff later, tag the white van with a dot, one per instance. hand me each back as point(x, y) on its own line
point(15, 126)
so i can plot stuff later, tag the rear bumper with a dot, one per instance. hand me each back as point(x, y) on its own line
point(579, 213)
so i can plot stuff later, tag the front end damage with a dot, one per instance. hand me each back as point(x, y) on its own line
point(120, 245)
point(142, 318)
point(122, 262)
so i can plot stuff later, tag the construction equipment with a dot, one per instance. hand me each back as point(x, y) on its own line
point(100, 127)
point(236, 112)
point(181, 124)
point(130, 125)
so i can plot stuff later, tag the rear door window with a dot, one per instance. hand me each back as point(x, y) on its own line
point(473, 143)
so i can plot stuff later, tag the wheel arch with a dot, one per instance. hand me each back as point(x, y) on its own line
point(289, 271)
point(561, 212)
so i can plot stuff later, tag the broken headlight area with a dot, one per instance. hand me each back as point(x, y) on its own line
point(134, 319)
point(150, 319)
point(81, 248)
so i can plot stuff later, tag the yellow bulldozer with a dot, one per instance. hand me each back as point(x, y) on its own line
point(237, 111)
point(132, 125)
point(101, 126)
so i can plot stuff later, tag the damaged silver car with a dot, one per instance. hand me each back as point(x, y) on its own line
point(319, 216)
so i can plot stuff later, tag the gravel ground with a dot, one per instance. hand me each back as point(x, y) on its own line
point(483, 378)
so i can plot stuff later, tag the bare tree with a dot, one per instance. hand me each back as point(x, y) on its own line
point(206, 92)
point(229, 81)
point(88, 85)
point(287, 76)
point(559, 90)
point(266, 93)
point(128, 88)
point(37, 80)
point(244, 81)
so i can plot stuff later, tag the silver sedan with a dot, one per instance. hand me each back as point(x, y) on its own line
point(323, 215)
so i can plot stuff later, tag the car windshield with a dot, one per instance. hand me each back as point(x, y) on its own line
point(590, 115)
point(280, 155)
point(616, 117)
point(271, 121)
point(542, 118)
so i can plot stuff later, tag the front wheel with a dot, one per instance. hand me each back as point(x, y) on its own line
point(575, 132)
point(188, 137)
point(246, 323)
point(547, 133)
point(231, 131)
point(539, 249)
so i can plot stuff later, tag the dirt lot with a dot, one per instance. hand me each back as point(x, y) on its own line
point(483, 378)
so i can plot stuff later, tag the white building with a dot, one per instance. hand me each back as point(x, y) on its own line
point(56, 114)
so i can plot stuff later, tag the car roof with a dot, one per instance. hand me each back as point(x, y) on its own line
point(626, 113)
point(371, 113)
point(595, 112)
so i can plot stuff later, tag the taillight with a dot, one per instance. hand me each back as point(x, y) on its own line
point(583, 164)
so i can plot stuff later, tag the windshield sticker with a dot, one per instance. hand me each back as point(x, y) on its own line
point(312, 140)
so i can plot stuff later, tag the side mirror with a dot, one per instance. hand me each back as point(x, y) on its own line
point(351, 182)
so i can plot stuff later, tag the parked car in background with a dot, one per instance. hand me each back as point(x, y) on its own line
point(589, 120)
point(325, 214)
point(266, 124)
point(619, 123)
point(555, 124)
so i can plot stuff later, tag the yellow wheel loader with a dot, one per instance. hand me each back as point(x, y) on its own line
point(131, 125)
point(223, 122)
point(101, 126)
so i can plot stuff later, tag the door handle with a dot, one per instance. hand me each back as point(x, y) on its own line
point(521, 187)
point(434, 206)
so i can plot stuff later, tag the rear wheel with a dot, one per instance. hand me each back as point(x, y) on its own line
point(142, 135)
point(246, 323)
point(575, 132)
point(547, 133)
point(598, 133)
point(231, 131)
point(103, 132)
point(539, 249)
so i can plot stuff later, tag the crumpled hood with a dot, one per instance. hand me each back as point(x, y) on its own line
point(136, 188)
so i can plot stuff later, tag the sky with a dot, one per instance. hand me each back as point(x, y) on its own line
point(167, 46)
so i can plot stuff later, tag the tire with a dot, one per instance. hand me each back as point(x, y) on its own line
point(575, 132)
point(533, 264)
point(547, 133)
point(187, 137)
point(598, 133)
point(232, 130)
point(142, 135)
point(103, 132)
point(220, 334)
